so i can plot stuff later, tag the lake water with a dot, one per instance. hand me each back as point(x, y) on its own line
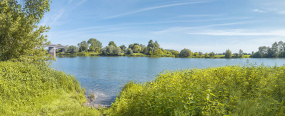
point(105, 76)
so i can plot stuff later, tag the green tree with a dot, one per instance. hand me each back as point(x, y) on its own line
point(112, 43)
point(185, 53)
point(19, 32)
point(257, 55)
point(48, 43)
point(129, 51)
point(273, 51)
point(123, 47)
point(95, 44)
point(200, 54)
point(228, 54)
point(212, 55)
point(111, 50)
point(142, 48)
point(156, 45)
point(83, 46)
point(240, 53)
point(263, 51)
point(152, 46)
point(236, 55)
point(206, 55)
point(169, 52)
point(155, 52)
point(159, 51)
point(71, 49)
point(196, 54)
point(144, 51)
point(175, 52)
point(131, 46)
point(136, 49)
point(150, 52)
point(165, 51)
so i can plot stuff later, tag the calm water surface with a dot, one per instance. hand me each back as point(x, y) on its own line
point(105, 76)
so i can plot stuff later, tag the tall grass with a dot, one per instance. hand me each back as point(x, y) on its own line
point(229, 90)
point(39, 90)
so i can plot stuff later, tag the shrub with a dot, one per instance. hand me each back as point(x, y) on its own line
point(39, 90)
point(185, 53)
point(228, 90)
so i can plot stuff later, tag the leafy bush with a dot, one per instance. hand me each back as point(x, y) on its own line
point(166, 55)
point(93, 54)
point(246, 56)
point(185, 53)
point(111, 50)
point(71, 49)
point(219, 56)
point(82, 54)
point(228, 90)
point(39, 90)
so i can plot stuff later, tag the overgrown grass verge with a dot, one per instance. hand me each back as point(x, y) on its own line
point(229, 90)
point(39, 90)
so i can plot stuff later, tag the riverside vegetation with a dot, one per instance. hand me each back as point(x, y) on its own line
point(28, 86)
point(39, 90)
point(94, 48)
point(229, 90)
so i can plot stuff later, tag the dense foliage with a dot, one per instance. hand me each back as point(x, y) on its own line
point(111, 50)
point(71, 49)
point(228, 90)
point(275, 51)
point(39, 90)
point(95, 45)
point(27, 85)
point(19, 33)
point(185, 53)
point(83, 46)
point(228, 54)
point(153, 49)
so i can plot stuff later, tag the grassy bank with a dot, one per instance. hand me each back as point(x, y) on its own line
point(228, 90)
point(39, 90)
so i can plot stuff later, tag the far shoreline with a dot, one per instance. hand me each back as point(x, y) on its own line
point(92, 54)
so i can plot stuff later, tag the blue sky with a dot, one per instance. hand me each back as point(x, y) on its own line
point(199, 25)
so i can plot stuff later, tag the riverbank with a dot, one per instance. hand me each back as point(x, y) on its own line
point(28, 89)
point(142, 55)
point(228, 90)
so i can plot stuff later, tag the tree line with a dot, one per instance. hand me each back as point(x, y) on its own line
point(275, 51)
point(153, 48)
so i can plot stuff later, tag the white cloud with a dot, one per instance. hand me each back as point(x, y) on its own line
point(269, 6)
point(200, 15)
point(186, 29)
point(241, 32)
point(152, 8)
point(281, 12)
point(257, 10)
point(57, 15)
point(81, 2)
